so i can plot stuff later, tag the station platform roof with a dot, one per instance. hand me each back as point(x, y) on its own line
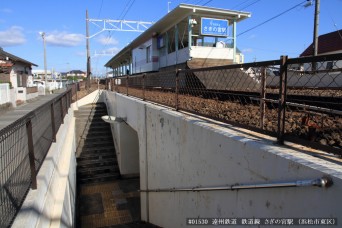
point(171, 19)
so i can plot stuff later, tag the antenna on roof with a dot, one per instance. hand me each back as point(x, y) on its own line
point(168, 7)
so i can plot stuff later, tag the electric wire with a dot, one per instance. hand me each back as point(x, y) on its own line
point(124, 12)
point(272, 18)
point(236, 6)
point(250, 5)
point(207, 2)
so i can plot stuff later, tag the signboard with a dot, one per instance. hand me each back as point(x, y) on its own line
point(214, 27)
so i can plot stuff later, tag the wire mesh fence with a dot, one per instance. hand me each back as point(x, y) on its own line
point(292, 99)
point(23, 147)
point(314, 101)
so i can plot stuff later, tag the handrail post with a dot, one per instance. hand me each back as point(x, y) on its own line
point(177, 90)
point(127, 85)
point(143, 85)
point(66, 104)
point(31, 154)
point(76, 93)
point(53, 125)
point(262, 98)
point(282, 99)
point(62, 111)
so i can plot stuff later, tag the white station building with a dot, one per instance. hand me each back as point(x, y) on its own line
point(189, 36)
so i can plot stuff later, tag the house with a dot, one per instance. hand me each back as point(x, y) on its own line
point(314, 74)
point(17, 72)
point(76, 73)
point(40, 74)
point(330, 43)
point(14, 69)
point(189, 36)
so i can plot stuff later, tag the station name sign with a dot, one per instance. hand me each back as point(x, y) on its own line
point(214, 27)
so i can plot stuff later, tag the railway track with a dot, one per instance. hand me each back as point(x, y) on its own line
point(315, 120)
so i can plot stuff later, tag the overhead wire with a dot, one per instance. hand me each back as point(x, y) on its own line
point(207, 2)
point(249, 5)
point(272, 18)
point(124, 12)
point(236, 6)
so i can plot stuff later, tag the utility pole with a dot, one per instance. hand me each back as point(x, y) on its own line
point(316, 24)
point(88, 53)
point(45, 67)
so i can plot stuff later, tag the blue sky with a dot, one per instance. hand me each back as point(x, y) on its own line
point(63, 21)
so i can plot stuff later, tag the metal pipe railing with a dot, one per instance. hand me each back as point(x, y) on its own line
point(323, 182)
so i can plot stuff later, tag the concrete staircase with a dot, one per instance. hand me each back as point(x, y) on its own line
point(96, 158)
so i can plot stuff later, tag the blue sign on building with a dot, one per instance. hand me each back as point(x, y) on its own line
point(214, 27)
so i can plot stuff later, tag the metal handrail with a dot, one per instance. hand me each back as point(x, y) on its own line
point(324, 182)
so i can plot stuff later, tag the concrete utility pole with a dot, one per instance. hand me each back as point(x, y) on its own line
point(316, 24)
point(45, 67)
point(88, 53)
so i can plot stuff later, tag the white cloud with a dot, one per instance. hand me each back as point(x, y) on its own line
point(64, 39)
point(107, 40)
point(12, 37)
point(6, 10)
point(107, 52)
point(247, 50)
point(253, 36)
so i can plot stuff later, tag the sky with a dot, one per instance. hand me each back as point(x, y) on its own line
point(260, 37)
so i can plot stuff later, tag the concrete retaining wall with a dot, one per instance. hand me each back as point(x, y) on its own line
point(178, 150)
point(52, 203)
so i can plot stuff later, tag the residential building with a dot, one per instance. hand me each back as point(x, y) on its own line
point(329, 43)
point(14, 69)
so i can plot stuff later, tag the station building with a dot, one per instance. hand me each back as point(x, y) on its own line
point(189, 36)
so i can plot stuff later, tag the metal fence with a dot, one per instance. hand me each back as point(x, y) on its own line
point(23, 148)
point(298, 100)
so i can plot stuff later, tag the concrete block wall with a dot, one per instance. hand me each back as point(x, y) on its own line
point(177, 150)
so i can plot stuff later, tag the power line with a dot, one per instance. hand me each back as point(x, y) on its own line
point(272, 18)
point(207, 2)
point(240, 4)
point(250, 4)
point(100, 9)
point(130, 6)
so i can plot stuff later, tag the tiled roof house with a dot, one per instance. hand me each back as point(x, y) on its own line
point(330, 43)
point(14, 69)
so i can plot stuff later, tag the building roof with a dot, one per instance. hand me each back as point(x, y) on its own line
point(172, 18)
point(76, 72)
point(4, 55)
point(328, 42)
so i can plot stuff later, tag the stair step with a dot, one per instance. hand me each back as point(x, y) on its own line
point(99, 178)
point(92, 156)
point(97, 136)
point(96, 157)
point(97, 127)
point(95, 150)
point(95, 144)
point(94, 170)
point(95, 162)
